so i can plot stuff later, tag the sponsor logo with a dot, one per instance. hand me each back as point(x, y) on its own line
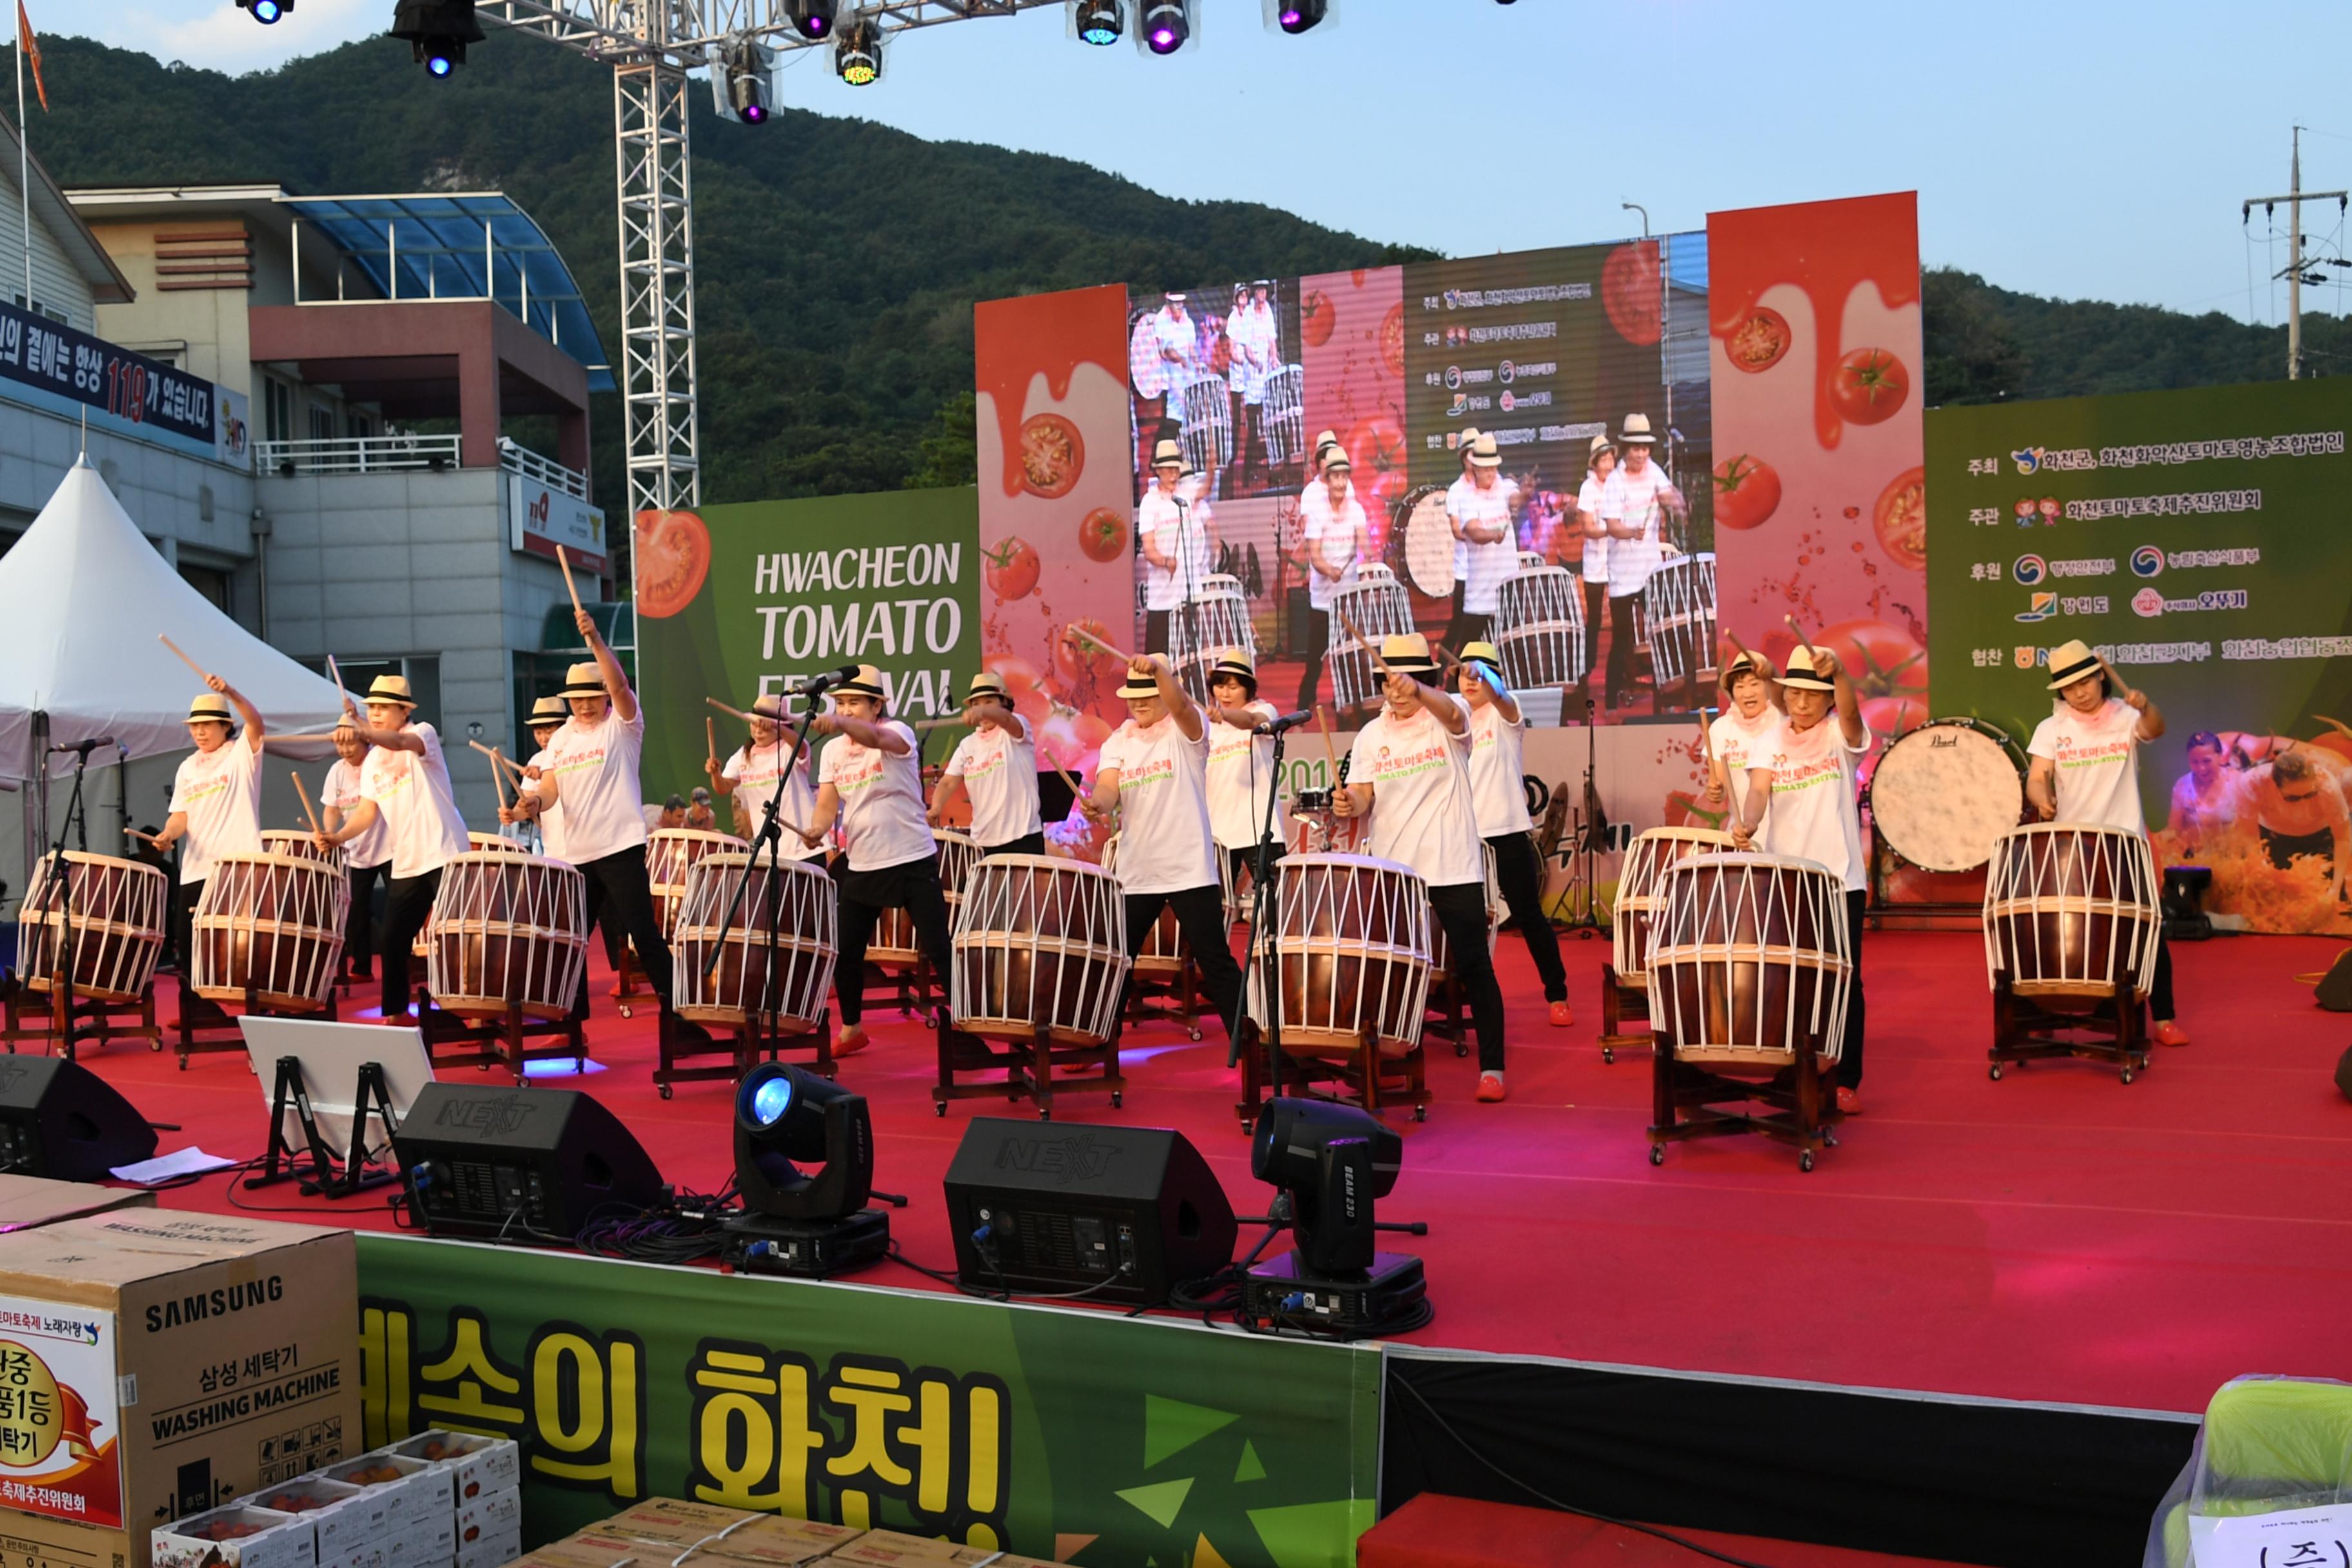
point(1453, 376)
point(2086, 604)
point(2029, 570)
point(2150, 602)
point(2027, 657)
point(2044, 605)
point(2148, 561)
point(1507, 372)
point(2027, 458)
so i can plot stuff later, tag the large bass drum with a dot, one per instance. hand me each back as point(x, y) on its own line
point(798, 899)
point(1351, 947)
point(1749, 959)
point(2072, 913)
point(1420, 542)
point(1634, 919)
point(269, 927)
point(1039, 942)
point(116, 931)
point(507, 929)
point(1943, 792)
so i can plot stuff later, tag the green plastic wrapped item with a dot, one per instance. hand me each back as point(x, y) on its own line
point(2268, 1445)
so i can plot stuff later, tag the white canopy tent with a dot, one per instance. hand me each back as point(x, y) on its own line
point(83, 596)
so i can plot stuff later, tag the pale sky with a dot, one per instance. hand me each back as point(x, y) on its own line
point(2085, 149)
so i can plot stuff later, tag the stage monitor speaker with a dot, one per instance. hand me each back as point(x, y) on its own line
point(60, 1119)
point(1057, 1207)
point(505, 1163)
point(2334, 992)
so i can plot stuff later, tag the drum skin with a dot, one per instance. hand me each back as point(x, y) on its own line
point(1749, 959)
point(1943, 792)
point(1039, 940)
point(118, 912)
point(670, 855)
point(1653, 854)
point(799, 898)
point(508, 928)
point(2071, 911)
point(1351, 939)
point(301, 846)
point(271, 926)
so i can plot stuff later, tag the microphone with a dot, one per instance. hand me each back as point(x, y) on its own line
point(1288, 722)
point(83, 748)
point(824, 678)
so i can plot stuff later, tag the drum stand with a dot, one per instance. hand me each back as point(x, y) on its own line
point(500, 1039)
point(1442, 1014)
point(205, 1027)
point(70, 1020)
point(325, 1176)
point(2024, 1029)
point(1620, 1004)
point(31, 1015)
point(1683, 1097)
point(1179, 988)
point(1027, 1063)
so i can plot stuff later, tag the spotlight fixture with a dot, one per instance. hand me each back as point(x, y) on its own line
point(1167, 26)
point(812, 19)
point(1299, 15)
point(1330, 1162)
point(858, 58)
point(803, 1221)
point(437, 31)
point(741, 72)
point(1100, 21)
point(265, 12)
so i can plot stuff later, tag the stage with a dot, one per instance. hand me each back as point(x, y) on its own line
point(2055, 1237)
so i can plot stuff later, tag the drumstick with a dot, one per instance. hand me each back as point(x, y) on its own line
point(563, 561)
point(1705, 741)
point(1357, 632)
point(1330, 749)
point(147, 837)
point(275, 740)
point(1067, 779)
point(738, 712)
point(337, 676)
point(923, 726)
point(711, 736)
point(1106, 647)
point(202, 673)
point(308, 809)
point(1446, 658)
point(1802, 640)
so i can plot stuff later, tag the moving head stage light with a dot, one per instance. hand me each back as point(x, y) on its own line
point(809, 1221)
point(1330, 1162)
point(437, 32)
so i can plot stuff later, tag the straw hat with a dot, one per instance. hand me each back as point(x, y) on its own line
point(210, 709)
point(1467, 440)
point(1167, 452)
point(1484, 653)
point(770, 708)
point(1597, 445)
point(1637, 431)
point(1801, 675)
point(1483, 454)
point(1746, 663)
point(1407, 654)
point(549, 711)
point(1139, 686)
point(580, 681)
point(986, 685)
point(1324, 441)
point(866, 683)
point(1335, 461)
point(1235, 662)
point(1176, 295)
point(2070, 662)
point(395, 689)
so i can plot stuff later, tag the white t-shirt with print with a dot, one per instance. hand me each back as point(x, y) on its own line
point(1241, 765)
point(1164, 844)
point(1490, 562)
point(1180, 534)
point(1734, 740)
point(550, 820)
point(341, 791)
point(1496, 771)
point(882, 822)
point(220, 790)
point(1812, 816)
point(1000, 774)
point(2097, 763)
point(1422, 816)
point(1634, 498)
point(1589, 499)
point(1336, 540)
point(412, 795)
point(595, 772)
point(1461, 546)
point(753, 769)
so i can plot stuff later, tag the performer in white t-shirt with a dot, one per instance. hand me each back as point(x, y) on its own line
point(216, 807)
point(996, 765)
point(1171, 525)
point(404, 785)
point(1483, 512)
point(1409, 772)
point(871, 777)
point(1733, 735)
point(1153, 772)
point(1634, 508)
point(367, 859)
point(547, 715)
point(1801, 786)
point(1332, 538)
point(2084, 767)
point(1178, 337)
point(754, 773)
point(1466, 443)
point(1252, 333)
point(1241, 762)
point(1592, 568)
point(1497, 737)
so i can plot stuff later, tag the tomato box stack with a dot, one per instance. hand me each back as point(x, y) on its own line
point(665, 1532)
point(154, 1366)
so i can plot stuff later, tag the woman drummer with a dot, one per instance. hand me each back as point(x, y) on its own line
point(2085, 770)
point(1748, 715)
point(367, 859)
point(1241, 762)
point(1409, 771)
point(215, 806)
point(547, 716)
point(996, 765)
point(871, 777)
point(1498, 735)
point(1801, 786)
point(754, 775)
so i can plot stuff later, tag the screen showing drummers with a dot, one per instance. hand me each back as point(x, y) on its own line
point(1542, 349)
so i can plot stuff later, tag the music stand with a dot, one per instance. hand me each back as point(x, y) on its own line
point(323, 1082)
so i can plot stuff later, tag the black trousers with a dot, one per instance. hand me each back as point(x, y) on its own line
point(1621, 645)
point(407, 904)
point(1155, 630)
point(185, 897)
point(1028, 844)
point(359, 927)
point(1596, 612)
point(621, 899)
point(1849, 1072)
point(2160, 998)
point(1461, 911)
point(1466, 628)
point(913, 887)
point(1518, 871)
point(1201, 916)
point(1318, 644)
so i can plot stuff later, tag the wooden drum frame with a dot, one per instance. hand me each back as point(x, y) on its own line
point(2072, 913)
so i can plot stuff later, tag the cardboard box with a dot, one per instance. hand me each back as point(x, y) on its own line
point(476, 1464)
point(365, 1555)
point(210, 1539)
point(344, 1516)
point(206, 1357)
point(491, 1551)
point(29, 1201)
point(770, 1541)
point(673, 1522)
point(421, 1541)
point(488, 1516)
point(888, 1547)
point(410, 1491)
point(593, 1548)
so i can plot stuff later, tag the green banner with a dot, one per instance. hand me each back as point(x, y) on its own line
point(737, 602)
point(1084, 1437)
point(2196, 540)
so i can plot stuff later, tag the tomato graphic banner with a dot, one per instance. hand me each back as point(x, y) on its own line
point(782, 590)
point(2194, 540)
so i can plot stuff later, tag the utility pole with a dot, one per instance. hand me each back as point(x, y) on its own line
point(2294, 271)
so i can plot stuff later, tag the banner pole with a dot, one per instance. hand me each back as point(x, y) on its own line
point(23, 159)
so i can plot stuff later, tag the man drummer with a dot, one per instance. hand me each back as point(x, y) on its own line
point(367, 859)
point(871, 777)
point(1482, 512)
point(1800, 787)
point(1251, 331)
point(1467, 443)
point(1177, 546)
point(1734, 735)
point(1498, 736)
point(754, 773)
point(1153, 772)
point(1409, 771)
point(1634, 508)
point(215, 806)
point(404, 785)
point(1241, 762)
point(2085, 769)
point(996, 765)
point(1593, 566)
point(1332, 538)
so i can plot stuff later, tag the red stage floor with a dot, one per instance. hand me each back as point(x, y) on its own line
point(2056, 1236)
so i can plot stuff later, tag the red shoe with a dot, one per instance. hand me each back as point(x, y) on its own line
point(1848, 1103)
point(1490, 1086)
point(849, 1041)
point(2168, 1033)
point(1561, 1017)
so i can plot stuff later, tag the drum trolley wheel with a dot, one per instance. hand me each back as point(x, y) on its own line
point(1620, 1004)
point(27, 1015)
point(1027, 1063)
point(206, 1028)
point(1442, 1018)
point(742, 1042)
point(498, 1040)
point(2025, 1029)
point(1180, 990)
point(1361, 1076)
point(1801, 1103)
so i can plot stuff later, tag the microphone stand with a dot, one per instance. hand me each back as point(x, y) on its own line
point(65, 951)
point(1590, 920)
point(770, 836)
point(1192, 649)
point(1261, 895)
